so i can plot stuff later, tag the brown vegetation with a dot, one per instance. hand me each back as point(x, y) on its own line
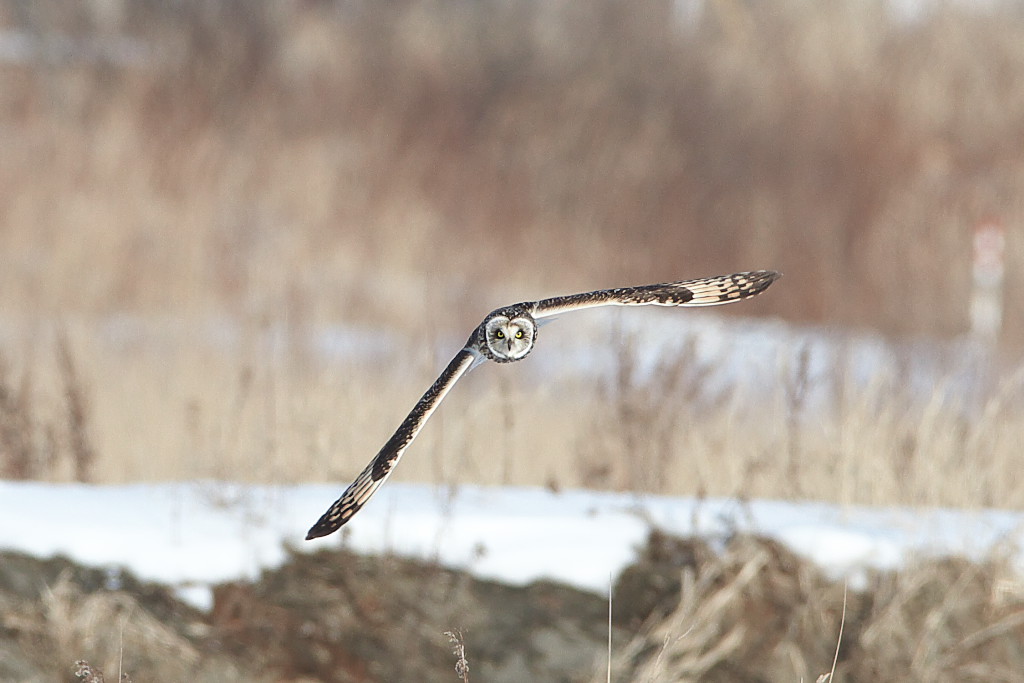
point(750, 612)
point(327, 160)
point(192, 212)
point(217, 414)
point(42, 438)
point(196, 215)
point(757, 612)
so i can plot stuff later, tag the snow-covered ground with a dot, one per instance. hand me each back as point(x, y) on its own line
point(191, 535)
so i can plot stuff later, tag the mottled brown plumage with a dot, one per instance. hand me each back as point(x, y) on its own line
point(508, 334)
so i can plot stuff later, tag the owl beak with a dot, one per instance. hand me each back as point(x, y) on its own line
point(508, 342)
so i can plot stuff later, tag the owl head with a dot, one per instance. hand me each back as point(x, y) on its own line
point(507, 335)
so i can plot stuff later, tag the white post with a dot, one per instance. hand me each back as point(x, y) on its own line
point(987, 292)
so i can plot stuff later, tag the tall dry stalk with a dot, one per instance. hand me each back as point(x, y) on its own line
point(81, 451)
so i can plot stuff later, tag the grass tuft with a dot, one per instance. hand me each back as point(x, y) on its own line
point(458, 646)
point(88, 674)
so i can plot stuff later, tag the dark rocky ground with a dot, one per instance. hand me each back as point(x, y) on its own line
point(743, 609)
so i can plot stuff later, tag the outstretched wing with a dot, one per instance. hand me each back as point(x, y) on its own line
point(370, 479)
point(708, 291)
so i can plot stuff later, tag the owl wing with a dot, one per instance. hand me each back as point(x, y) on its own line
point(708, 291)
point(370, 479)
point(700, 292)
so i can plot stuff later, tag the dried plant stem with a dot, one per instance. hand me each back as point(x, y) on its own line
point(830, 676)
point(459, 650)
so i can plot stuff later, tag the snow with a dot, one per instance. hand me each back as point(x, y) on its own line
point(193, 535)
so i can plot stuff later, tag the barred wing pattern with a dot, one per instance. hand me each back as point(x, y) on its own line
point(380, 468)
point(708, 291)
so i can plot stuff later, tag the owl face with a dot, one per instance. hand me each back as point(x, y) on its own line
point(509, 338)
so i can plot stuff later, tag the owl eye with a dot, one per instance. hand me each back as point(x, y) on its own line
point(519, 334)
point(499, 334)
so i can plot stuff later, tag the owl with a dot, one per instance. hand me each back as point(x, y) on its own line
point(509, 334)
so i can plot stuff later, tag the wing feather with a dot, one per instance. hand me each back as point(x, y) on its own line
point(380, 468)
point(709, 291)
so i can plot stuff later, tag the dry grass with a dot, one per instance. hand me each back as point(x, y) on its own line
point(328, 161)
point(258, 417)
point(110, 625)
point(88, 674)
point(757, 612)
point(737, 610)
point(267, 173)
point(45, 437)
point(458, 645)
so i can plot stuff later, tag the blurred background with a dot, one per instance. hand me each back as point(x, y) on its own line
point(239, 239)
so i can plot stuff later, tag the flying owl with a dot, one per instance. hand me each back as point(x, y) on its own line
point(508, 334)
